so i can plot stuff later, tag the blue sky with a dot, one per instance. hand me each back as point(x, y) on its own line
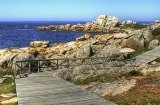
point(78, 10)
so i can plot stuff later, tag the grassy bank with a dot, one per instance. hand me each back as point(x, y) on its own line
point(8, 86)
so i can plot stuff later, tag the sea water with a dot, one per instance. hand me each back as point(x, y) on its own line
point(20, 34)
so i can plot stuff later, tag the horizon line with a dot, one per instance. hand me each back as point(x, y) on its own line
point(62, 20)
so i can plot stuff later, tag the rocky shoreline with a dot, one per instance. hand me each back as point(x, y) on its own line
point(101, 45)
point(103, 23)
point(88, 46)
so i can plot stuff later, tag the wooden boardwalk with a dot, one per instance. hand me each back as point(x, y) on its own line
point(148, 56)
point(44, 89)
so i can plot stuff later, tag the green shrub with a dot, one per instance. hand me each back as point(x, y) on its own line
point(138, 52)
point(105, 78)
point(7, 71)
point(8, 86)
point(156, 32)
point(158, 59)
point(99, 78)
point(134, 73)
point(133, 26)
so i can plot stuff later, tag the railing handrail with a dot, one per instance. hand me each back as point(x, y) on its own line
point(65, 62)
point(64, 59)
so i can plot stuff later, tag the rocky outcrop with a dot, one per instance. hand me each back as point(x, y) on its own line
point(120, 35)
point(67, 26)
point(130, 22)
point(112, 21)
point(155, 25)
point(157, 22)
point(113, 88)
point(85, 37)
point(22, 57)
point(86, 71)
point(101, 45)
point(107, 51)
point(7, 61)
point(136, 39)
point(153, 44)
point(40, 44)
point(104, 20)
point(85, 51)
point(102, 24)
point(101, 20)
point(147, 35)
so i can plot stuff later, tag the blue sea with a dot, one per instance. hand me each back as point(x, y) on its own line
point(20, 34)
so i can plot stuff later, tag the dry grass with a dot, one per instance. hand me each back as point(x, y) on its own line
point(146, 92)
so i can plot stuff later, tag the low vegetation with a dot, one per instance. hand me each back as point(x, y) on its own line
point(6, 71)
point(8, 85)
point(106, 78)
point(138, 52)
point(158, 59)
point(134, 26)
point(146, 92)
point(156, 31)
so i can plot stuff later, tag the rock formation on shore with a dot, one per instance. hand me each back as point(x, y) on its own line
point(101, 45)
point(88, 46)
point(103, 23)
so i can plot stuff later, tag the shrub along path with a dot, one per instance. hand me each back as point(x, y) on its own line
point(44, 89)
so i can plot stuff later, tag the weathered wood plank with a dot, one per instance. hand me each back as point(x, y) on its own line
point(44, 89)
point(148, 56)
point(71, 102)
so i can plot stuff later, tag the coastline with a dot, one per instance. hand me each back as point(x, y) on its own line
point(108, 78)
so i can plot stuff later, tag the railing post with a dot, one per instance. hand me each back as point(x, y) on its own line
point(47, 65)
point(29, 67)
point(21, 69)
point(66, 62)
point(57, 64)
point(15, 70)
point(38, 66)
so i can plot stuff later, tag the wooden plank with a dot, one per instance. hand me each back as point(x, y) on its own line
point(50, 92)
point(65, 96)
point(95, 101)
point(148, 56)
point(152, 53)
point(40, 89)
point(145, 58)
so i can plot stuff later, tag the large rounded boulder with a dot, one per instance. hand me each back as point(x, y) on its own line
point(85, 51)
point(153, 44)
point(23, 57)
point(43, 44)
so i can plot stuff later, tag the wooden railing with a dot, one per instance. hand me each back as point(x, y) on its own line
point(38, 65)
point(28, 66)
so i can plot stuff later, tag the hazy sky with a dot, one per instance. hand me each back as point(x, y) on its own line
point(73, 10)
